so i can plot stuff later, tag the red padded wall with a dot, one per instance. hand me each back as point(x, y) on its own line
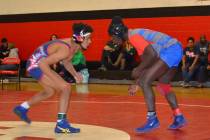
point(29, 35)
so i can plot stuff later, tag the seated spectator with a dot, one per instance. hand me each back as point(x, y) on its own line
point(202, 47)
point(53, 37)
point(110, 54)
point(4, 48)
point(7, 50)
point(126, 59)
point(208, 58)
point(189, 62)
point(111, 51)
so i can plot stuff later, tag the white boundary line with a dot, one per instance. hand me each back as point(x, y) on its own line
point(107, 102)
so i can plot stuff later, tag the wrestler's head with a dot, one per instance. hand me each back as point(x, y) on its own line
point(118, 31)
point(82, 34)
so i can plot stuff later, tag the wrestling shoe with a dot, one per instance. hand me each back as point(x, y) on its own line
point(179, 121)
point(64, 127)
point(152, 123)
point(21, 112)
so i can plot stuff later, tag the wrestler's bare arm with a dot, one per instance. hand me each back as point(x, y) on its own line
point(53, 58)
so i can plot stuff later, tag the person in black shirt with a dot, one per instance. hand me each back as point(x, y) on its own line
point(208, 57)
point(126, 59)
point(202, 47)
point(110, 54)
point(189, 62)
point(4, 48)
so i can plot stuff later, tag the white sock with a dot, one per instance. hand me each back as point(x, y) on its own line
point(25, 105)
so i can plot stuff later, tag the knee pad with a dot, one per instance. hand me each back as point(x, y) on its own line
point(164, 89)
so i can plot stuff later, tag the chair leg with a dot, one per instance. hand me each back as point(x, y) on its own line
point(16, 84)
point(19, 82)
point(1, 81)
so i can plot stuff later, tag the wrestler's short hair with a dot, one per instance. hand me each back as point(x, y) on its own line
point(80, 31)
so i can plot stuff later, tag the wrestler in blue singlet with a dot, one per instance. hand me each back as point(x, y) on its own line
point(41, 52)
point(168, 49)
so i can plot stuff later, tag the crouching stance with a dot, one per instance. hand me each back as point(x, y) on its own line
point(38, 66)
point(160, 56)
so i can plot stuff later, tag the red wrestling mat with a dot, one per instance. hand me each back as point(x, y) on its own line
point(117, 111)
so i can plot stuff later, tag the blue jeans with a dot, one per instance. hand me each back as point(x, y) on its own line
point(187, 75)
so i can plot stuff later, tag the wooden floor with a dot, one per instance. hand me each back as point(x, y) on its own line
point(104, 112)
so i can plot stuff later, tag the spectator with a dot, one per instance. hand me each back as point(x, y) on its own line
point(202, 47)
point(111, 51)
point(7, 50)
point(189, 62)
point(53, 37)
point(208, 57)
point(4, 48)
point(126, 59)
point(110, 54)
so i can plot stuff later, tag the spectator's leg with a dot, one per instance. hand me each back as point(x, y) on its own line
point(118, 61)
point(122, 64)
point(202, 75)
point(104, 60)
point(129, 61)
point(185, 75)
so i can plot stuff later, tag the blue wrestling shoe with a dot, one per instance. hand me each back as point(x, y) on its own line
point(179, 121)
point(21, 112)
point(64, 127)
point(152, 123)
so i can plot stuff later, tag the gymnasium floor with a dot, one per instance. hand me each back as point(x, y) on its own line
point(104, 112)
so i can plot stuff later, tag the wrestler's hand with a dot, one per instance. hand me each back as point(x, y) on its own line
point(132, 89)
point(78, 77)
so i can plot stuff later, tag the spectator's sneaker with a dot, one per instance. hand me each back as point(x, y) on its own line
point(182, 83)
point(5, 81)
point(199, 85)
point(102, 68)
point(152, 123)
point(186, 85)
point(64, 127)
point(179, 121)
point(21, 112)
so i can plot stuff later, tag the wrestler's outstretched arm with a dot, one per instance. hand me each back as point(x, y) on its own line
point(148, 57)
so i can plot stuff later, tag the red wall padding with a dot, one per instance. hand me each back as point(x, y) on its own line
point(29, 35)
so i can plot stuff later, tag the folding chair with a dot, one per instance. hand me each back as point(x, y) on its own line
point(11, 73)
